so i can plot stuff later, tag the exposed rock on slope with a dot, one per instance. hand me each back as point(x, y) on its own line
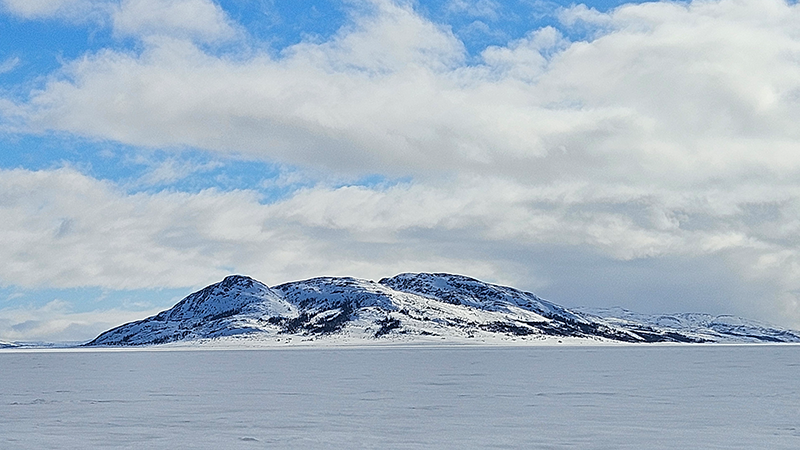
point(406, 307)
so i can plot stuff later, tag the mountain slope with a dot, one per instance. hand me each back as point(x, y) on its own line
point(407, 307)
point(716, 328)
point(233, 306)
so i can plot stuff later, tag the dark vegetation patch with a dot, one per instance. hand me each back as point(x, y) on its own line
point(333, 323)
point(313, 324)
point(508, 328)
point(224, 314)
point(171, 338)
point(387, 325)
point(567, 327)
point(277, 320)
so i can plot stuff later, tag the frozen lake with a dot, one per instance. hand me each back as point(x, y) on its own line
point(617, 397)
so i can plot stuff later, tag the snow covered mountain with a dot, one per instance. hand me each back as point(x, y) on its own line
point(409, 308)
point(7, 345)
point(720, 328)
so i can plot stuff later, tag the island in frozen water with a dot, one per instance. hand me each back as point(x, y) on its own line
point(410, 308)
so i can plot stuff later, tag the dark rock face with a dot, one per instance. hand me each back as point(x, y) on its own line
point(408, 306)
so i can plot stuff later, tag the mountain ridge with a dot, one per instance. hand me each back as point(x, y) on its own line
point(410, 307)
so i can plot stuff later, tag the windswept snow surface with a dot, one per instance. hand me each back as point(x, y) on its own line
point(418, 307)
point(419, 397)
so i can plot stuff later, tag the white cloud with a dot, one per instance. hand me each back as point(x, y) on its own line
point(583, 14)
point(199, 19)
point(34, 9)
point(526, 59)
point(668, 92)
point(385, 39)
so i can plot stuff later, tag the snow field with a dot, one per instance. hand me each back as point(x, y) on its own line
point(421, 397)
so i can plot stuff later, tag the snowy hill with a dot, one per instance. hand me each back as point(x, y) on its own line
point(7, 345)
point(410, 308)
point(720, 328)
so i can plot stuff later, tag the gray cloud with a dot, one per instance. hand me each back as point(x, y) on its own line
point(578, 244)
point(56, 321)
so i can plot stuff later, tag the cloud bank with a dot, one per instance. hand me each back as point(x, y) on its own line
point(66, 229)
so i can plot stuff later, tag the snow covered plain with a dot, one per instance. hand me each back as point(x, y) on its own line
point(412, 397)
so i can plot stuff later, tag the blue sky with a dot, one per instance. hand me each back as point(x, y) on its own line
point(600, 153)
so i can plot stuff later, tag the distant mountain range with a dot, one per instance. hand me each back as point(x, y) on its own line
point(410, 307)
